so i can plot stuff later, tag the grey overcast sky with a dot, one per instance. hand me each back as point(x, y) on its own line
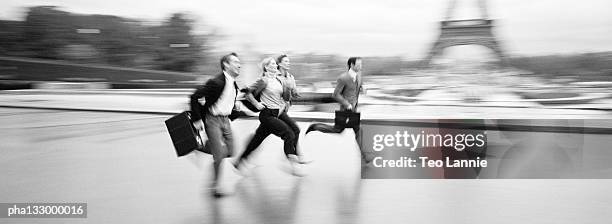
point(366, 27)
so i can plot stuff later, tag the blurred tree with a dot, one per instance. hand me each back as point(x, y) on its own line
point(179, 49)
point(10, 37)
point(45, 31)
point(52, 33)
point(113, 36)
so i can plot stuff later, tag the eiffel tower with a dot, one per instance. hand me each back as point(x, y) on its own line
point(465, 32)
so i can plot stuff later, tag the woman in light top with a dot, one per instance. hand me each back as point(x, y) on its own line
point(271, 94)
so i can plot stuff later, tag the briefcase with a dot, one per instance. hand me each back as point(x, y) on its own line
point(347, 119)
point(184, 135)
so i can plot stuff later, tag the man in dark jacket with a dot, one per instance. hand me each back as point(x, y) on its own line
point(346, 93)
point(219, 96)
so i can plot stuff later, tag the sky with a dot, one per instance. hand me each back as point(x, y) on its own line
point(405, 28)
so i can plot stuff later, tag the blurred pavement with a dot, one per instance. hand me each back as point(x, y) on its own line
point(124, 167)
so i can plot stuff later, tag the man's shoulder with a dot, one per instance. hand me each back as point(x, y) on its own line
point(216, 79)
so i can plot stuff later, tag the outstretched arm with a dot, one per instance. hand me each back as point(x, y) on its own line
point(256, 88)
point(249, 96)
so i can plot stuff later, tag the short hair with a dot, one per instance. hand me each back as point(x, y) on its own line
point(279, 59)
point(351, 61)
point(226, 58)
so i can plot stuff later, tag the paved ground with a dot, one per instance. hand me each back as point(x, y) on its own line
point(124, 167)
